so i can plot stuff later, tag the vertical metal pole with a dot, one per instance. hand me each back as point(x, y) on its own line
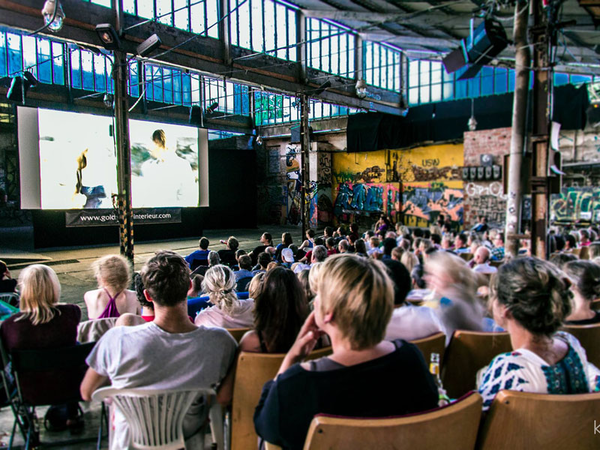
point(540, 181)
point(519, 119)
point(123, 155)
point(304, 152)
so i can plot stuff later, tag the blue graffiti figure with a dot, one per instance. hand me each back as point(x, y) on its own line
point(343, 199)
point(360, 197)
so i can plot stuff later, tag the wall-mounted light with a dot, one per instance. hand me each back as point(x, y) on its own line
point(54, 15)
point(108, 36)
point(361, 88)
point(149, 45)
point(472, 123)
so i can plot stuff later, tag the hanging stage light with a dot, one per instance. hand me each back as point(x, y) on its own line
point(54, 15)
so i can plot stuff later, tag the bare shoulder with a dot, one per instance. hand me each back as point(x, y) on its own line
point(250, 342)
point(91, 296)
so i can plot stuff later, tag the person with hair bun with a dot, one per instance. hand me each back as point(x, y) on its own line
point(112, 298)
point(585, 278)
point(228, 311)
point(530, 298)
point(364, 376)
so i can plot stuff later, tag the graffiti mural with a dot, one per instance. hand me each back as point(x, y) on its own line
point(293, 188)
point(366, 198)
point(312, 199)
point(324, 169)
point(576, 203)
point(422, 205)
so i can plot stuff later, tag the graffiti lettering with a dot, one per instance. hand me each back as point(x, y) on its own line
point(430, 162)
point(494, 189)
point(436, 173)
point(324, 169)
point(576, 203)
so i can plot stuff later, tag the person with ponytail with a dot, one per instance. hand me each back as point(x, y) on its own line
point(585, 276)
point(530, 298)
point(228, 311)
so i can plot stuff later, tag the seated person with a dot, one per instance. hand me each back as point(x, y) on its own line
point(408, 322)
point(112, 298)
point(228, 311)
point(266, 240)
point(455, 288)
point(227, 255)
point(7, 284)
point(196, 289)
point(168, 353)
point(43, 323)
point(245, 263)
point(213, 260)
point(263, 261)
point(147, 312)
point(353, 307)
point(309, 243)
point(482, 261)
point(280, 309)
point(530, 298)
point(286, 241)
point(199, 257)
point(585, 285)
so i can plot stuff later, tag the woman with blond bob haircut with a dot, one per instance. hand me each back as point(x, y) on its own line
point(353, 306)
point(112, 298)
point(43, 324)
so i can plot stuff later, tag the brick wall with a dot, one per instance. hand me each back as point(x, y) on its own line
point(485, 197)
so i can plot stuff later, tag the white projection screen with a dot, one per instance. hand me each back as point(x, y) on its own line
point(68, 161)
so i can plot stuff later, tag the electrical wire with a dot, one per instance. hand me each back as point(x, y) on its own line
point(39, 30)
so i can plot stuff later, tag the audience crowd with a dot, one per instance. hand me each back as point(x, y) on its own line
point(363, 295)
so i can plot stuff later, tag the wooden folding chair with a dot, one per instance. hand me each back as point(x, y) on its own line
point(466, 256)
point(253, 371)
point(468, 352)
point(584, 253)
point(589, 337)
point(436, 343)
point(452, 427)
point(238, 333)
point(520, 420)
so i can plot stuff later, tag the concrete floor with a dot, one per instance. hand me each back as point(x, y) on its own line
point(74, 272)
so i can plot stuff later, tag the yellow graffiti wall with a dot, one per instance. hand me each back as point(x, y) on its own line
point(424, 182)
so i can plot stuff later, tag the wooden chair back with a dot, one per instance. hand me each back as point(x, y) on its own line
point(595, 305)
point(520, 420)
point(466, 256)
point(589, 337)
point(253, 371)
point(436, 343)
point(584, 253)
point(496, 264)
point(468, 352)
point(453, 427)
point(238, 333)
point(576, 251)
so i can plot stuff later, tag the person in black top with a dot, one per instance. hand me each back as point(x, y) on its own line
point(7, 284)
point(585, 278)
point(364, 376)
point(228, 254)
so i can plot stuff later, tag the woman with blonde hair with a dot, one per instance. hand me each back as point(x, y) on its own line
point(353, 306)
point(112, 298)
point(228, 311)
point(43, 323)
point(455, 293)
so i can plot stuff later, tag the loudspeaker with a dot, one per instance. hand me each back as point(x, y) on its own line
point(496, 172)
point(465, 173)
point(195, 115)
point(454, 60)
point(473, 173)
point(488, 172)
point(481, 173)
point(488, 40)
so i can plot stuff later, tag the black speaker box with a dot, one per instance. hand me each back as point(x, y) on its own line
point(454, 60)
point(196, 115)
point(488, 40)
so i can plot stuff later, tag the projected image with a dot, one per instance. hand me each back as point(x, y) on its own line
point(78, 163)
point(164, 164)
point(77, 160)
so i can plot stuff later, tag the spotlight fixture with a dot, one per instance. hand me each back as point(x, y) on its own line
point(108, 36)
point(361, 88)
point(108, 100)
point(54, 15)
point(472, 123)
point(19, 87)
point(149, 45)
point(212, 108)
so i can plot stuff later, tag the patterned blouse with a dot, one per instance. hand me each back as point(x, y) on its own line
point(523, 370)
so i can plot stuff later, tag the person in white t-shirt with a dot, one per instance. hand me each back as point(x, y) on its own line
point(408, 322)
point(168, 353)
